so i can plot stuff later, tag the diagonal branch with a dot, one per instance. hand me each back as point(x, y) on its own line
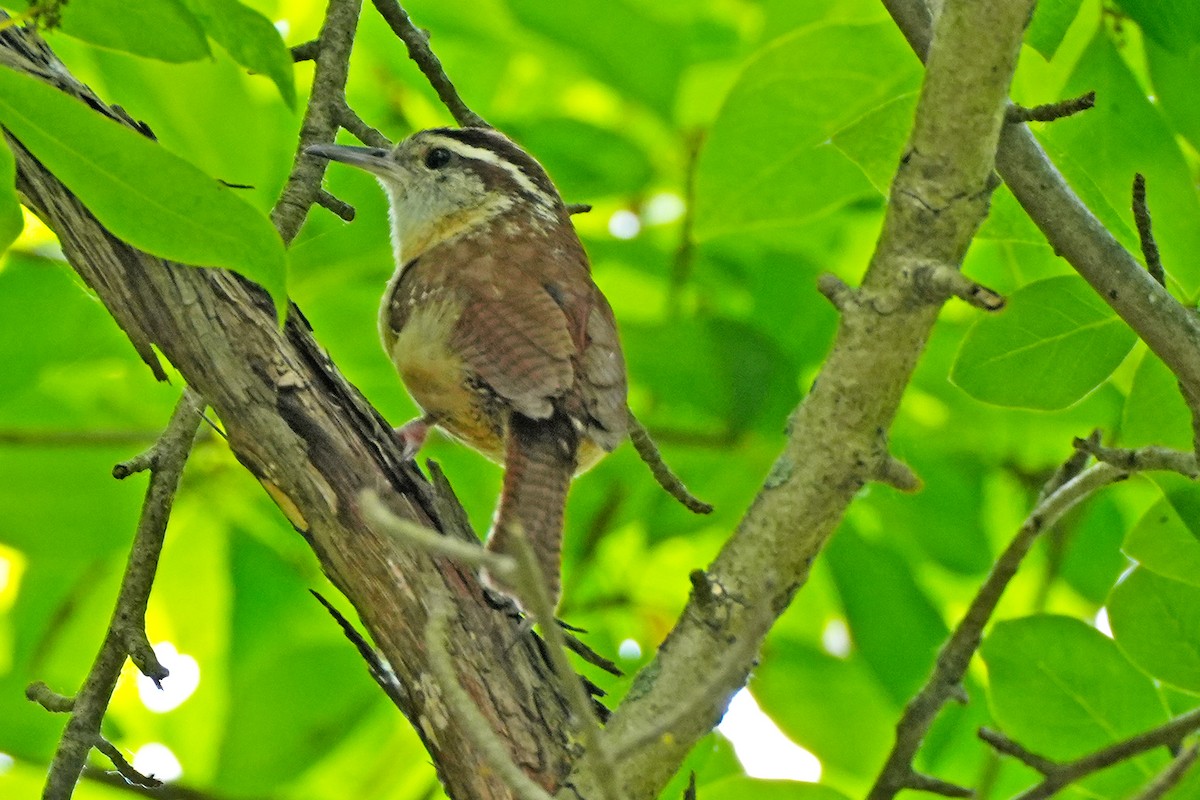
point(126, 631)
point(837, 437)
point(1059, 496)
point(1166, 326)
point(315, 444)
point(417, 42)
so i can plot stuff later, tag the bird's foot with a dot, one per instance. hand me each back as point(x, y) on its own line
point(411, 435)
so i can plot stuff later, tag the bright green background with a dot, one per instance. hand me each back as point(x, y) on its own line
point(789, 119)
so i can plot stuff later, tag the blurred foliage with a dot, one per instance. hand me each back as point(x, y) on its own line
point(768, 129)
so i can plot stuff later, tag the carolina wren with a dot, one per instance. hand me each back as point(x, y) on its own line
point(494, 323)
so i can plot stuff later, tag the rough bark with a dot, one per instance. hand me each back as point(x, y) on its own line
point(315, 444)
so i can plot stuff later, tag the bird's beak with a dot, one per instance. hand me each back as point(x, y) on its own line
point(372, 159)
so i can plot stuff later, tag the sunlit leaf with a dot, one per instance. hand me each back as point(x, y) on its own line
point(250, 38)
point(1062, 689)
point(144, 194)
point(1164, 541)
point(11, 221)
point(1049, 25)
point(1156, 621)
point(162, 29)
point(768, 161)
point(1172, 23)
point(1054, 342)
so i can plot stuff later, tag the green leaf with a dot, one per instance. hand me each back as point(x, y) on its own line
point(875, 142)
point(1162, 541)
point(1055, 342)
point(1157, 623)
point(1062, 689)
point(251, 39)
point(1175, 24)
point(1050, 22)
point(1174, 78)
point(768, 161)
point(739, 788)
point(141, 192)
point(11, 219)
point(1125, 134)
point(892, 620)
point(162, 29)
point(1154, 412)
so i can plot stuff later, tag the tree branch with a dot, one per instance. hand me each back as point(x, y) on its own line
point(1061, 494)
point(322, 116)
point(1057, 775)
point(417, 42)
point(315, 444)
point(835, 445)
point(1170, 330)
point(126, 631)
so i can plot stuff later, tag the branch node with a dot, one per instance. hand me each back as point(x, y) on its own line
point(47, 698)
point(340, 208)
point(939, 281)
point(578, 208)
point(836, 291)
point(895, 473)
point(1048, 112)
point(349, 119)
point(306, 51)
point(137, 645)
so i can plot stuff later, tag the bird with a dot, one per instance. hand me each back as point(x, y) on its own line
point(495, 325)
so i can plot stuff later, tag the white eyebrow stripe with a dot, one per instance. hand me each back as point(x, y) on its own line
point(491, 157)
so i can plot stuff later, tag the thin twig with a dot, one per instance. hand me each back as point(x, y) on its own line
point(417, 42)
point(476, 725)
point(1057, 775)
point(955, 655)
point(83, 728)
point(351, 121)
point(1141, 215)
point(409, 533)
point(377, 665)
point(322, 116)
point(1170, 775)
point(1048, 112)
point(123, 767)
point(662, 473)
point(1141, 458)
point(306, 51)
point(340, 208)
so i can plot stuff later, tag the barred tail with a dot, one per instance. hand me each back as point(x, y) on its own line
point(539, 461)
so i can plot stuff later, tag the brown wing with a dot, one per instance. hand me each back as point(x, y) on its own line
point(602, 376)
point(513, 335)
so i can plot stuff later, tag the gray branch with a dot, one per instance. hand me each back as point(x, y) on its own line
point(126, 631)
point(835, 445)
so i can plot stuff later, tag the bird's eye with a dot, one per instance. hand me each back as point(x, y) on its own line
point(437, 158)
